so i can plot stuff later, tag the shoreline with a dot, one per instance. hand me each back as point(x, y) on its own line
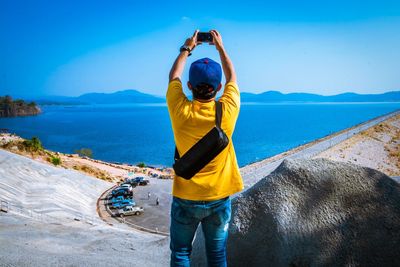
point(377, 147)
point(251, 173)
point(103, 170)
point(306, 145)
point(115, 172)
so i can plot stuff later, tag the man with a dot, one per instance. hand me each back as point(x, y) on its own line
point(205, 197)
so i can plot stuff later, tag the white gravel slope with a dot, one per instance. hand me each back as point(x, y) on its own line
point(53, 191)
point(62, 241)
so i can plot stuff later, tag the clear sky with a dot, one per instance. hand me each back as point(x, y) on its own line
point(74, 47)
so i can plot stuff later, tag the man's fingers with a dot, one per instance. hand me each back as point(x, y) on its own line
point(214, 36)
point(215, 32)
point(195, 33)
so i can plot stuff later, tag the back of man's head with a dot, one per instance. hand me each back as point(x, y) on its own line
point(205, 78)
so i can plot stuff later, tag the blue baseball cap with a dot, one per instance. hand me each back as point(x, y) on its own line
point(207, 71)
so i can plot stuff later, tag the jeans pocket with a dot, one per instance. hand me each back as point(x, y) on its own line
point(222, 215)
point(182, 214)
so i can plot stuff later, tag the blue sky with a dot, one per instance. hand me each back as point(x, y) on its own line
point(74, 47)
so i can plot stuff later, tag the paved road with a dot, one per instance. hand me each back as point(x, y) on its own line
point(155, 218)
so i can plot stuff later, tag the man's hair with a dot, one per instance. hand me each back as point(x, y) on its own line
point(204, 91)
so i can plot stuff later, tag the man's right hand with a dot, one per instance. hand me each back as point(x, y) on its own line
point(217, 40)
point(192, 41)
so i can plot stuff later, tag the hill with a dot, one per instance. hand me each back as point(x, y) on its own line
point(135, 96)
point(119, 97)
point(276, 96)
point(125, 96)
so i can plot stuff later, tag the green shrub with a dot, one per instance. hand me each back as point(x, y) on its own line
point(55, 160)
point(84, 152)
point(33, 145)
point(141, 165)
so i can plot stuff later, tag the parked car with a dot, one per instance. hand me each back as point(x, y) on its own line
point(144, 182)
point(115, 200)
point(120, 191)
point(137, 181)
point(126, 185)
point(140, 181)
point(132, 182)
point(122, 204)
point(127, 211)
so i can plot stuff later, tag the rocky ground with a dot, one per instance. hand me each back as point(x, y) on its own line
point(377, 147)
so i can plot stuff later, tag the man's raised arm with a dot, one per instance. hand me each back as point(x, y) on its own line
point(179, 64)
point(227, 65)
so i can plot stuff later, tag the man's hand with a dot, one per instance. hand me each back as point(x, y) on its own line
point(192, 41)
point(179, 64)
point(227, 66)
point(217, 40)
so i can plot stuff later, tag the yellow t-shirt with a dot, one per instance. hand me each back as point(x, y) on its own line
point(191, 120)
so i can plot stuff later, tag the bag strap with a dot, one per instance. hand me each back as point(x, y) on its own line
point(218, 114)
point(218, 118)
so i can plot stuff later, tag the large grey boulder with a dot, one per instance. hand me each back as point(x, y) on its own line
point(314, 213)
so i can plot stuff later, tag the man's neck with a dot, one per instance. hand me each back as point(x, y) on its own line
point(205, 100)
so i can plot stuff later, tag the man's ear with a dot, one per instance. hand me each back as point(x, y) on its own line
point(189, 85)
point(219, 87)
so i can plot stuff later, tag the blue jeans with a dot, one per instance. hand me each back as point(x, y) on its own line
point(186, 216)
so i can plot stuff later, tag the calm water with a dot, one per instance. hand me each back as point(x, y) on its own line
point(142, 133)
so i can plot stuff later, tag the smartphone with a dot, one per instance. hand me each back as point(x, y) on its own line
point(204, 37)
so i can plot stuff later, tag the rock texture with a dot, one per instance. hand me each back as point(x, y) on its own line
point(314, 213)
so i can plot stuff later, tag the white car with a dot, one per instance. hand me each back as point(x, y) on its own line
point(128, 186)
point(129, 210)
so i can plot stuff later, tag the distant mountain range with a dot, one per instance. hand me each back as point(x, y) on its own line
point(134, 96)
point(275, 96)
point(119, 97)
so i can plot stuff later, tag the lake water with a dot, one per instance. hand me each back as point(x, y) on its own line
point(135, 133)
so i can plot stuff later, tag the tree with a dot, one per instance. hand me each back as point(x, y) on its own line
point(8, 99)
point(19, 102)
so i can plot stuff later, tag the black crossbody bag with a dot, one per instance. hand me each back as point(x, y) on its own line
point(205, 150)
